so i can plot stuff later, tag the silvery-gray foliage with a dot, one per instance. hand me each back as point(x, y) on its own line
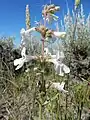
point(6, 52)
point(77, 44)
point(32, 43)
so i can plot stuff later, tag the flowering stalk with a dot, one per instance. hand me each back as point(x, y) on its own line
point(41, 96)
point(42, 92)
point(27, 18)
point(43, 39)
point(80, 108)
point(58, 105)
point(51, 111)
point(42, 47)
point(43, 81)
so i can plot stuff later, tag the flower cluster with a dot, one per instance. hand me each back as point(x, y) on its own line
point(59, 86)
point(45, 33)
point(49, 12)
point(57, 60)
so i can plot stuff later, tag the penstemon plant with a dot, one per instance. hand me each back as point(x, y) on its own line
point(53, 91)
point(48, 14)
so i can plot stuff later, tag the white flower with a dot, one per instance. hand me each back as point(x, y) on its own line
point(60, 67)
point(59, 34)
point(57, 7)
point(22, 32)
point(60, 56)
point(49, 12)
point(23, 52)
point(35, 68)
point(50, 17)
point(25, 34)
point(59, 86)
point(19, 63)
point(25, 58)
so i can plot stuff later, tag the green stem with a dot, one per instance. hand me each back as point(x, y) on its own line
point(40, 111)
point(51, 111)
point(61, 113)
point(80, 108)
point(78, 113)
point(57, 118)
point(43, 47)
point(41, 94)
point(66, 109)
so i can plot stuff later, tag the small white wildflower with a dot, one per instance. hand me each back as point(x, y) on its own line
point(59, 86)
point(35, 68)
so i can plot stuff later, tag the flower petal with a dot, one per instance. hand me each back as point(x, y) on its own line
point(62, 85)
point(65, 91)
point(59, 69)
point(20, 65)
point(59, 34)
point(57, 8)
point(23, 52)
point(59, 86)
point(55, 85)
point(17, 61)
point(22, 32)
point(66, 69)
point(30, 30)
